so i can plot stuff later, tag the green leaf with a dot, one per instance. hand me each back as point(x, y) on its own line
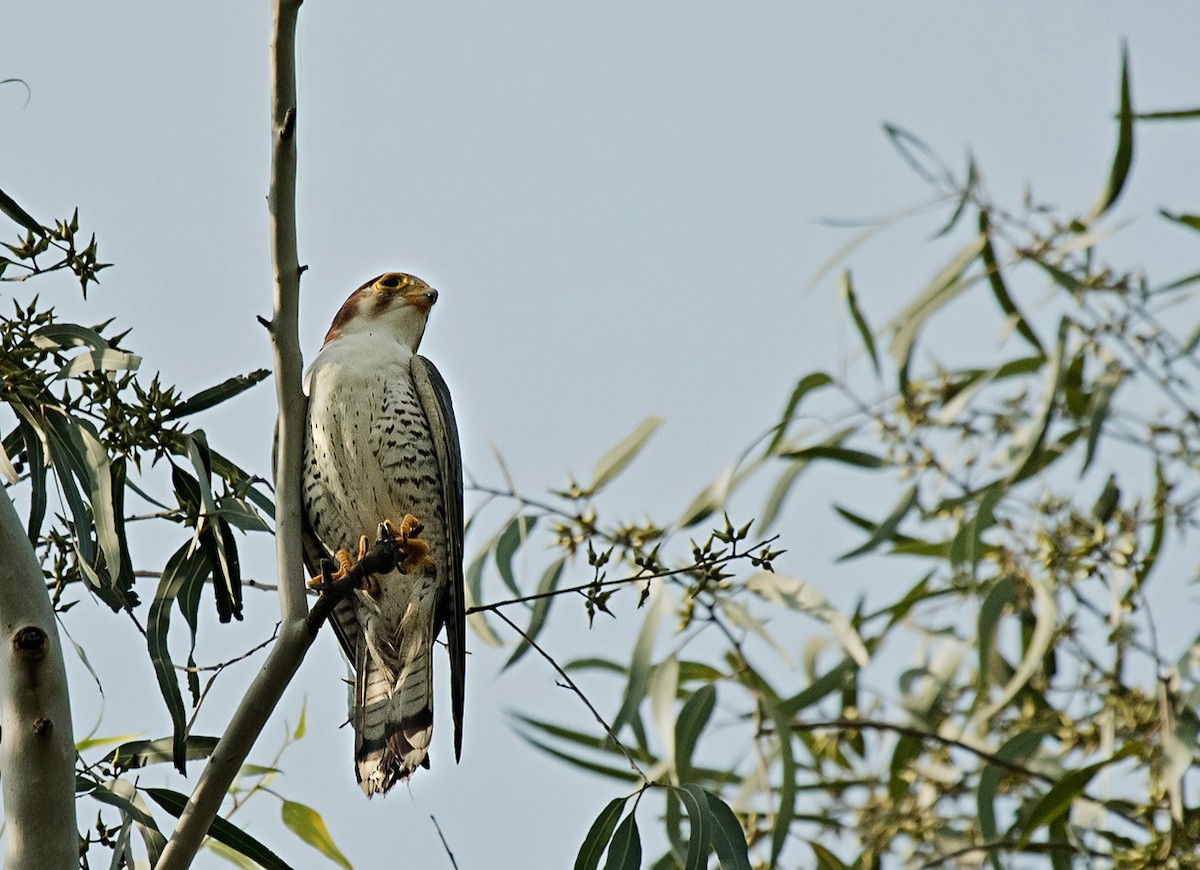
point(1108, 382)
point(908, 749)
point(618, 458)
point(123, 795)
point(794, 594)
point(639, 661)
point(35, 455)
point(1016, 749)
point(510, 540)
point(944, 287)
point(221, 829)
point(473, 583)
point(183, 569)
point(541, 607)
point(1123, 159)
point(690, 725)
point(1003, 594)
point(625, 851)
point(9, 206)
point(67, 335)
point(307, 824)
point(807, 384)
point(845, 455)
point(598, 835)
point(860, 322)
point(1191, 221)
point(1045, 621)
point(833, 680)
point(1054, 803)
point(107, 360)
point(142, 753)
point(886, 530)
point(222, 392)
point(695, 803)
point(826, 860)
point(1028, 450)
point(728, 838)
point(663, 691)
point(996, 279)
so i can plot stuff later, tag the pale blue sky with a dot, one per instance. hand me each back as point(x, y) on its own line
point(620, 204)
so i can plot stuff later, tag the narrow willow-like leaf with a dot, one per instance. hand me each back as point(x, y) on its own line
point(662, 693)
point(511, 539)
point(639, 661)
point(996, 280)
point(307, 824)
point(1045, 620)
point(1002, 594)
point(9, 206)
point(831, 681)
point(693, 719)
point(1105, 386)
point(908, 749)
point(597, 742)
point(886, 530)
point(624, 452)
point(1123, 158)
point(221, 829)
point(807, 384)
point(699, 840)
point(473, 586)
point(35, 456)
point(107, 360)
point(212, 396)
point(844, 455)
point(541, 608)
point(728, 839)
point(184, 567)
point(944, 287)
point(142, 753)
point(598, 835)
point(1057, 800)
point(826, 860)
point(794, 594)
point(1027, 451)
point(620, 774)
point(1016, 749)
point(625, 850)
point(860, 322)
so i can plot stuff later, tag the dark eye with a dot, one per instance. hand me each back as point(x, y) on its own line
point(389, 282)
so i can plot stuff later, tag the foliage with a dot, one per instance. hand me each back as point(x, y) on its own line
point(1038, 490)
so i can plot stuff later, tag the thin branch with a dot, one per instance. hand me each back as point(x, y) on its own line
point(445, 845)
point(570, 684)
point(640, 577)
point(996, 845)
point(294, 637)
point(910, 731)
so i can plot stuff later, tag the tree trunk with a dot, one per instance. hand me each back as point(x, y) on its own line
point(37, 750)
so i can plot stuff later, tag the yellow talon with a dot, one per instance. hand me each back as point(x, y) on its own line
point(414, 551)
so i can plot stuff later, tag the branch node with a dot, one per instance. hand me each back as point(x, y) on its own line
point(289, 123)
point(42, 727)
point(30, 642)
point(266, 323)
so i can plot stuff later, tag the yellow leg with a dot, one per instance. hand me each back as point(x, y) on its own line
point(414, 551)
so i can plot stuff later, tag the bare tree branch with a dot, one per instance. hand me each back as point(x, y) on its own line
point(294, 637)
point(37, 754)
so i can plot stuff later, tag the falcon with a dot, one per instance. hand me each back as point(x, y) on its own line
point(382, 447)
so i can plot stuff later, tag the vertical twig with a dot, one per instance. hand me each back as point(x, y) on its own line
point(37, 754)
point(294, 638)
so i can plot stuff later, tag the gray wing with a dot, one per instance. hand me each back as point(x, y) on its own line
point(435, 402)
point(342, 618)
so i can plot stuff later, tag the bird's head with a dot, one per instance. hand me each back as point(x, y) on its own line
point(394, 304)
